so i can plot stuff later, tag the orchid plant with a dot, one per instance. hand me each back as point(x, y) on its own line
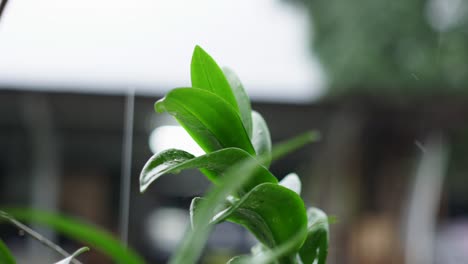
point(216, 112)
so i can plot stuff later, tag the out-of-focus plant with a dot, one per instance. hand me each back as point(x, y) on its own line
point(216, 112)
point(397, 46)
point(5, 254)
point(88, 234)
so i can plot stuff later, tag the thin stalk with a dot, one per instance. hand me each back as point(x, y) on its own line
point(125, 180)
point(44, 241)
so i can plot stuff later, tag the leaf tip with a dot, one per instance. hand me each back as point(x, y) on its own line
point(72, 256)
point(159, 106)
point(145, 179)
point(198, 48)
point(142, 187)
point(82, 250)
point(292, 182)
point(313, 136)
point(198, 52)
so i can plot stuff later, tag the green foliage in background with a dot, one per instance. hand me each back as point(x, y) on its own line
point(5, 255)
point(216, 112)
point(399, 45)
point(89, 235)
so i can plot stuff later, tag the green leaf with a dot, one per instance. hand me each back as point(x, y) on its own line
point(238, 260)
point(243, 100)
point(5, 255)
point(292, 182)
point(207, 75)
point(273, 213)
point(87, 234)
point(161, 163)
point(258, 252)
point(194, 206)
point(315, 248)
point(260, 138)
point(69, 259)
point(264, 255)
point(191, 247)
point(283, 148)
point(264, 221)
point(214, 165)
point(211, 122)
point(219, 216)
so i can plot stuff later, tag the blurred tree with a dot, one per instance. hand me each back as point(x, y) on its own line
point(399, 45)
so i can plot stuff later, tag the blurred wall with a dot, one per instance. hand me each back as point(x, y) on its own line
point(361, 172)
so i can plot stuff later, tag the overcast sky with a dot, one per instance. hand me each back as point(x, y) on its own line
point(108, 45)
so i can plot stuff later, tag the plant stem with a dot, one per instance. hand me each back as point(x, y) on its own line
point(37, 236)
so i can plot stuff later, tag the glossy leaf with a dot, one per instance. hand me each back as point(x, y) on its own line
point(214, 163)
point(220, 213)
point(285, 253)
point(239, 260)
point(87, 234)
point(69, 259)
point(260, 138)
point(207, 75)
point(243, 100)
point(211, 122)
point(194, 206)
point(292, 182)
point(315, 248)
point(191, 247)
point(257, 251)
point(5, 255)
point(161, 163)
point(273, 213)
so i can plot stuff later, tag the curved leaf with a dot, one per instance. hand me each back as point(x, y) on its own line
point(206, 74)
point(315, 246)
point(192, 246)
point(273, 213)
point(243, 100)
point(214, 165)
point(260, 138)
point(162, 163)
point(5, 255)
point(292, 182)
point(74, 255)
point(220, 213)
point(194, 206)
point(271, 256)
point(281, 148)
point(238, 260)
point(211, 122)
point(258, 251)
point(88, 234)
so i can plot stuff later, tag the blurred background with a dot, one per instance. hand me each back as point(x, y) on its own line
point(385, 82)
